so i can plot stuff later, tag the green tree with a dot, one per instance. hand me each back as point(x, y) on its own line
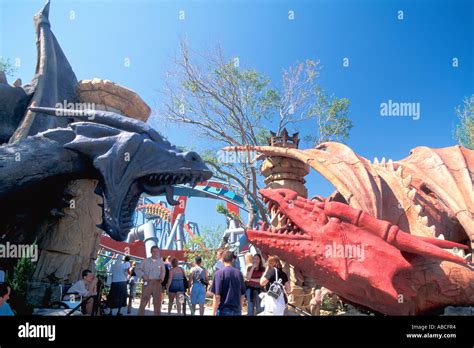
point(196, 246)
point(231, 105)
point(221, 209)
point(7, 67)
point(331, 115)
point(212, 236)
point(22, 272)
point(464, 132)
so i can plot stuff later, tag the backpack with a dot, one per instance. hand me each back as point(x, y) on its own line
point(276, 289)
point(201, 277)
point(273, 300)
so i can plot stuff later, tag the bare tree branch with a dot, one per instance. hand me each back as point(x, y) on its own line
point(233, 106)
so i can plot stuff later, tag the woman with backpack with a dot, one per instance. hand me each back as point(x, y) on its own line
point(177, 284)
point(277, 285)
point(198, 282)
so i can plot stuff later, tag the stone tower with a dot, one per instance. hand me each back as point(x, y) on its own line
point(283, 172)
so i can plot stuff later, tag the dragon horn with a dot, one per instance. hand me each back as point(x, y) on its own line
point(413, 244)
point(103, 117)
point(392, 234)
point(446, 244)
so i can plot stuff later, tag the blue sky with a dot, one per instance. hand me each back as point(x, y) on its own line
point(407, 60)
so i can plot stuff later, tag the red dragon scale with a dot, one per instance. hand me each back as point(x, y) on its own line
point(393, 235)
point(408, 226)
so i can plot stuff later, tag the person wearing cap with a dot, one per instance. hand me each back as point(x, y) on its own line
point(199, 279)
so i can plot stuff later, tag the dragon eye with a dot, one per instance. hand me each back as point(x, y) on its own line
point(322, 147)
point(192, 156)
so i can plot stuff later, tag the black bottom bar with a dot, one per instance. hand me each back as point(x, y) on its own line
point(294, 331)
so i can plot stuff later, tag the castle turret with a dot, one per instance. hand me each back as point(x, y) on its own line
point(282, 172)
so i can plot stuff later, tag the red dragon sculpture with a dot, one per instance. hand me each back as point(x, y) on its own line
point(387, 215)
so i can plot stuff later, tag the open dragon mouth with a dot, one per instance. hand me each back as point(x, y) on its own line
point(156, 184)
point(172, 179)
point(117, 219)
point(280, 223)
point(285, 207)
point(292, 217)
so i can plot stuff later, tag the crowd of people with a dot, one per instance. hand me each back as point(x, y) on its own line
point(263, 288)
point(229, 289)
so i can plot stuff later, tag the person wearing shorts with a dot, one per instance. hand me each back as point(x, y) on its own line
point(199, 278)
point(175, 285)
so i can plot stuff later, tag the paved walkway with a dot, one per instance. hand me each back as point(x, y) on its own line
point(164, 308)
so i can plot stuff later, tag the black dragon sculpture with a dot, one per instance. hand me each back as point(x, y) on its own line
point(43, 148)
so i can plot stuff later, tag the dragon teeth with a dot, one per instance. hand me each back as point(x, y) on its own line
point(399, 171)
point(390, 164)
point(418, 208)
point(407, 180)
point(459, 252)
point(432, 228)
point(274, 220)
point(424, 220)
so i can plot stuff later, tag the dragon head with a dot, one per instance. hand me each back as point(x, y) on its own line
point(128, 158)
point(294, 221)
point(292, 214)
point(345, 249)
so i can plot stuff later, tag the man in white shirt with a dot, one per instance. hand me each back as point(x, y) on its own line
point(152, 270)
point(85, 287)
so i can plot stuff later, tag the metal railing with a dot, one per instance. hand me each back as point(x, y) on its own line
point(299, 310)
